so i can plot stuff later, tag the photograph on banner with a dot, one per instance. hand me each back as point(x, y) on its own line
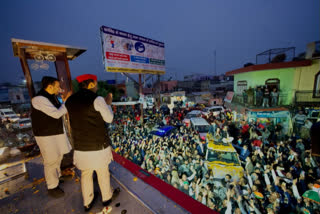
point(131, 53)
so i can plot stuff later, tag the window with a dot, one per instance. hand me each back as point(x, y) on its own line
point(316, 88)
point(241, 86)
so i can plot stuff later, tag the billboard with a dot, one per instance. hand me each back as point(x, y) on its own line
point(131, 53)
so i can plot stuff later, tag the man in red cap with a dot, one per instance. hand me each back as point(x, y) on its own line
point(88, 114)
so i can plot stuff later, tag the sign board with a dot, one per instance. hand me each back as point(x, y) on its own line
point(271, 114)
point(229, 97)
point(130, 53)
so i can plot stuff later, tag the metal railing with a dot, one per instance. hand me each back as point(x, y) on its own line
point(253, 102)
point(300, 97)
point(307, 96)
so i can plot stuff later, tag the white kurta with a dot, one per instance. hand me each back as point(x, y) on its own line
point(52, 147)
point(92, 159)
point(84, 160)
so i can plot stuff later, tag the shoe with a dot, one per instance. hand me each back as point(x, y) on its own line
point(114, 195)
point(61, 181)
point(88, 207)
point(56, 192)
point(107, 203)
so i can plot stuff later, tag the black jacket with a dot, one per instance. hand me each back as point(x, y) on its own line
point(88, 128)
point(43, 124)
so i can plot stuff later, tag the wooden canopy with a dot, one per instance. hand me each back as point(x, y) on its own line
point(42, 51)
point(31, 48)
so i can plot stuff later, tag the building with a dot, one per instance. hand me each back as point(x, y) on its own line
point(298, 82)
point(168, 86)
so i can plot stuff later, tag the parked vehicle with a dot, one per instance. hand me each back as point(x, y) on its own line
point(163, 131)
point(215, 110)
point(22, 136)
point(191, 114)
point(222, 159)
point(8, 114)
point(200, 125)
point(23, 123)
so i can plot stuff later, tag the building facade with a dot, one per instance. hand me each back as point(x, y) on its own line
point(298, 82)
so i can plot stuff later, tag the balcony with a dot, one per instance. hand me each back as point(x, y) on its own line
point(307, 98)
point(299, 98)
point(252, 102)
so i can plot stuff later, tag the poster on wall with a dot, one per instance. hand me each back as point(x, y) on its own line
point(130, 53)
point(229, 97)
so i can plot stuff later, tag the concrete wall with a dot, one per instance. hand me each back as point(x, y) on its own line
point(305, 76)
point(304, 82)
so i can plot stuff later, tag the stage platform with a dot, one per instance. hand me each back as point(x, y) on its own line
point(140, 192)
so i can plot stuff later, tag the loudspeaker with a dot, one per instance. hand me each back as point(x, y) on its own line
point(315, 139)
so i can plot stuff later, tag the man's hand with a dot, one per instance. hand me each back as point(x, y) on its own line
point(66, 96)
point(294, 182)
point(108, 98)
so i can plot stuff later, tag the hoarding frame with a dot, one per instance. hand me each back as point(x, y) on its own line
point(134, 37)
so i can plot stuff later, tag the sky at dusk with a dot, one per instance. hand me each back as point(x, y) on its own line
point(191, 30)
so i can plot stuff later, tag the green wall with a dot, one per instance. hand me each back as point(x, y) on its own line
point(256, 78)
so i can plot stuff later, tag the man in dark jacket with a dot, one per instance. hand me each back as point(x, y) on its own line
point(47, 127)
point(88, 114)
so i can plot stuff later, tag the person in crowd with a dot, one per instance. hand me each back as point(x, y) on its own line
point(266, 97)
point(299, 120)
point(278, 168)
point(47, 127)
point(274, 97)
point(259, 96)
point(250, 93)
point(245, 96)
point(88, 114)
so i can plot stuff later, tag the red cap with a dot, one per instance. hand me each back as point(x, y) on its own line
point(84, 77)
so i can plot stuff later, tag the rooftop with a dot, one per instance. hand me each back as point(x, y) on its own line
point(270, 66)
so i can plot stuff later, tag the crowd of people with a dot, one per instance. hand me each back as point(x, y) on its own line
point(278, 169)
point(261, 96)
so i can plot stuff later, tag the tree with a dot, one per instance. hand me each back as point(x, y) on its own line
point(103, 89)
point(75, 85)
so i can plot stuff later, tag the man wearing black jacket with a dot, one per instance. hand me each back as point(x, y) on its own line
point(88, 114)
point(49, 132)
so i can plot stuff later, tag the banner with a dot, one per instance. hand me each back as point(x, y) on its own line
point(130, 53)
point(229, 97)
point(271, 114)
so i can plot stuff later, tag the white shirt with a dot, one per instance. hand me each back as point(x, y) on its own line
point(54, 146)
point(105, 110)
point(43, 104)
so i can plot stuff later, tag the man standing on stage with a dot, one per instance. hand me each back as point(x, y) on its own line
point(88, 114)
point(49, 132)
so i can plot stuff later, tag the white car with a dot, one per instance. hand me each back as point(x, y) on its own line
point(8, 114)
point(22, 136)
point(201, 126)
point(191, 114)
point(215, 110)
point(23, 123)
